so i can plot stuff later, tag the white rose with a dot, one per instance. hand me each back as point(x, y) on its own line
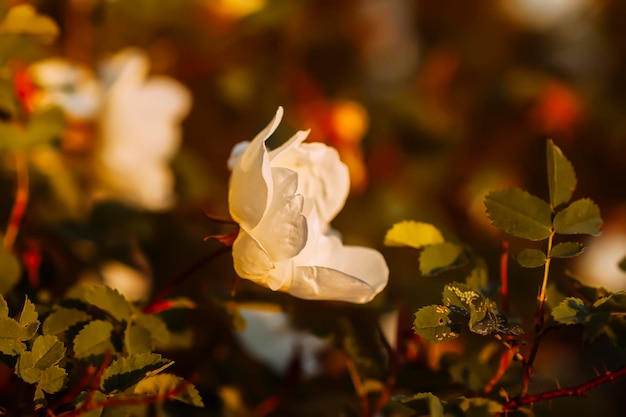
point(284, 201)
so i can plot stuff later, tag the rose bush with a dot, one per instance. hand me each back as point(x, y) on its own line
point(284, 201)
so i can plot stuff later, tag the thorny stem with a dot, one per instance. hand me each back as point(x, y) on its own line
point(543, 297)
point(21, 201)
point(575, 391)
point(167, 290)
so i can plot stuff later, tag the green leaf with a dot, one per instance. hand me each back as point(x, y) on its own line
point(567, 250)
point(4, 308)
point(478, 407)
point(438, 258)
point(168, 386)
point(519, 213)
point(424, 403)
point(10, 270)
point(46, 352)
point(109, 300)
point(155, 325)
point(561, 175)
point(43, 127)
point(10, 332)
point(413, 234)
point(531, 258)
point(572, 310)
point(52, 379)
point(123, 373)
point(28, 320)
point(24, 20)
point(137, 339)
point(434, 323)
point(580, 217)
point(61, 319)
point(478, 278)
point(94, 339)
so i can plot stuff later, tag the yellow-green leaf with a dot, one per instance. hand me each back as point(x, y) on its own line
point(413, 234)
point(519, 213)
point(438, 258)
point(580, 217)
point(531, 258)
point(24, 20)
point(10, 270)
point(168, 386)
point(94, 339)
point(561, 175)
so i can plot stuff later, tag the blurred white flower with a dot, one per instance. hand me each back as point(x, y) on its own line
point(270, 338)
point(284, 201)
point(138, 118)
point(545, 14)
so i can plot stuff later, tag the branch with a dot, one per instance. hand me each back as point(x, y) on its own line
point(575, 391)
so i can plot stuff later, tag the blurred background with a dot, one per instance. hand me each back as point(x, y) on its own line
point(430, 103)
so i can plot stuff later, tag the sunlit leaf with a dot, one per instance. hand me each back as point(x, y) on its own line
point(109, 300)
point(24, 20)
point(94, 339)
point(4, 308)
point(519, 213)
point(414, 234)
point(561, 175)
point(478, 407)
point(10, 332)
point(567, 250)
point(43, 127)
point(61, 319)
point(123, 373)
point(46, 351)
point(53, 379)
point(10, 270)
point(580, 217)
point(531, 258)
point(137, 339)
point(572, 310)
point(168, 386)
point(437, 258)
point(434, 323)
point(155, 325)
point(424, 403)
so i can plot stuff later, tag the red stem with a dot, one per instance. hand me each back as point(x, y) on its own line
point(504, 275)
point(575, 391)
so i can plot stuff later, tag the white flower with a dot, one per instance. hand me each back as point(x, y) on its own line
point(269, 336)
point(284, 201)
point(138, 117)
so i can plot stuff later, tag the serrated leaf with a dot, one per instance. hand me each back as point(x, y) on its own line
point(137, 339)
point(413, 234)
point(52, 379)
point(94, 339)
point(572, 310)
point(47, 351)
point(437, 258)
point(61, 319)
point(109, 300)
point(567, 250)
point(28, 320)
point(155, 325)
point(580, 217)
point(531, 258)
point(24, 20)
point(423, 403)
point(10, 332)
point(519, 213)
point(434, 323)
point(168, 386)
point(561, 175)
point(10, 270)
point(123, 373)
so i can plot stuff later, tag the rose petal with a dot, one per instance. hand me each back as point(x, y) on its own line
point(250, 260)
point(322, 178)
point(319, 283)
point(250, 190)
point(282, 231)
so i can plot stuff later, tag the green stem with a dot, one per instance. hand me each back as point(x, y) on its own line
point(543, 296)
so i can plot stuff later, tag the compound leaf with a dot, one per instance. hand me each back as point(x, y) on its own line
point(62, 319)
point(519, 213)
point(572, 310)
point(109, 300)
point(52, 379)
